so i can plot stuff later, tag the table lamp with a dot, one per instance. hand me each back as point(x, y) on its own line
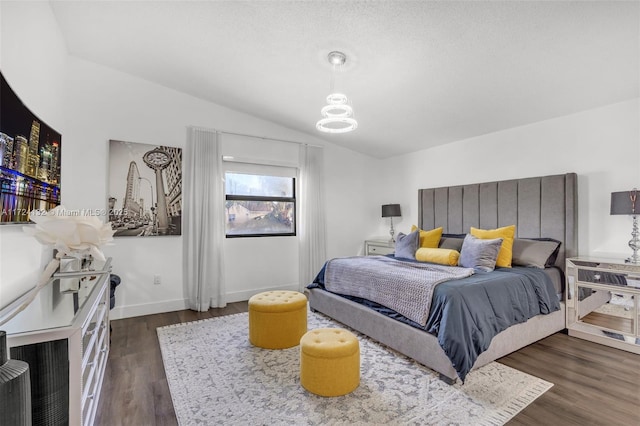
point(624, 202)
point(391, 211)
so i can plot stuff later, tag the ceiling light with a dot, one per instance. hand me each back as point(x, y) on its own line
point(337, 113)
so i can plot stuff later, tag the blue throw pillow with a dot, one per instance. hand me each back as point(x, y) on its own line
point(479, 254)
point(406, 245)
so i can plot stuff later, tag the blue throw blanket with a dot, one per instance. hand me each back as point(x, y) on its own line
point(467, 313)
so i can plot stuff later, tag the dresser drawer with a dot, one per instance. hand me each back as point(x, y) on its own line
point(95, 350)
point(93, 375)
point(91, 328)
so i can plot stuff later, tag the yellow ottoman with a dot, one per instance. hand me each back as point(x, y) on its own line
point(277, 319)
point(329, 361)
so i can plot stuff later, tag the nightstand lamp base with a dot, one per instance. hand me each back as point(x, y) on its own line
point(634, 243)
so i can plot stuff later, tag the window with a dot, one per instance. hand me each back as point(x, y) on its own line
point(259, 205)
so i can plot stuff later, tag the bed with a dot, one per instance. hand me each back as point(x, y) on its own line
point(541, 208)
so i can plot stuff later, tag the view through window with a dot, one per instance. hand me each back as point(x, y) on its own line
point(259, 205)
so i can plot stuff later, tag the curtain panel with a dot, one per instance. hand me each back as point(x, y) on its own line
point(203, 221)
point(311, 231)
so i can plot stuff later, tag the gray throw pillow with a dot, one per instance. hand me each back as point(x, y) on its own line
point(451, 243)
point(406, 245)
point(479, 254)
point(534, 253)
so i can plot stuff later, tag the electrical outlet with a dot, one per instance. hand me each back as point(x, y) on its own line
point(156, 279)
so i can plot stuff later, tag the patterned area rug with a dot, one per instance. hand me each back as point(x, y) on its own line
point(217, 377)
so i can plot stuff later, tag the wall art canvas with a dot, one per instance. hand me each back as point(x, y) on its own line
point(145, 189)
point(30, 154)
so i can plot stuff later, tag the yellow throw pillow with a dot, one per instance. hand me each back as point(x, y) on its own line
point(441, 256)
point(507, 234)
point(429, 239)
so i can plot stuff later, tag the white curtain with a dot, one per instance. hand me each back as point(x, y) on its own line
point(203, 221)
point(311, 229)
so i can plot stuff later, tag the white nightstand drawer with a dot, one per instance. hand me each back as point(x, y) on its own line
point(379, 247)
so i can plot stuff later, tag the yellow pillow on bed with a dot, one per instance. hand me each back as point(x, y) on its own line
point(430, 238)
point(441, 256)
point(507, 234)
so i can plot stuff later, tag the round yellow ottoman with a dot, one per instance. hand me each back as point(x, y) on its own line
point(329, 361)
point(277, 319)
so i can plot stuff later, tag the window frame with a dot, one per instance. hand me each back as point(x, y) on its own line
point(261, 198)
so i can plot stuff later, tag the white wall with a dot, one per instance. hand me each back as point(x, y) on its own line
point(33, 60)
point(100, 104)
point(106, 104)
point(90, 104)
point(601, 145)
point(254, 263)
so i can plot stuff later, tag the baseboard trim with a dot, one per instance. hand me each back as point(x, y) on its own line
point(120, 312)
point(239, 296)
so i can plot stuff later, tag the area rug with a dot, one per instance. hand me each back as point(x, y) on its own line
point(217, 377)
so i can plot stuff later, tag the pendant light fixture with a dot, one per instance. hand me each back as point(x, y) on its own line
point(337, 114)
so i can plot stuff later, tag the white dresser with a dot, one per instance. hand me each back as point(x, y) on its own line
point(68, 334)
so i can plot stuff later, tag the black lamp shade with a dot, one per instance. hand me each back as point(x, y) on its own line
point(624, 202)
point(391, 210)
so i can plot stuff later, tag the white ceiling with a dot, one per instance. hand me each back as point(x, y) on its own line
point(419, 74)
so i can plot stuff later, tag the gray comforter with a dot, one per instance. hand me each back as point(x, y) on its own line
point(467, 313)
point(405, 287)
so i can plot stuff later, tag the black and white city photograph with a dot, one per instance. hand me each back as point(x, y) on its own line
point(145, 189)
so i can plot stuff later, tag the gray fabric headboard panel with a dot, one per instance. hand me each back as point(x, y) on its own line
point(543, 206)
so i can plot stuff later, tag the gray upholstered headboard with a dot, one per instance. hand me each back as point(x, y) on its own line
point(539, 207)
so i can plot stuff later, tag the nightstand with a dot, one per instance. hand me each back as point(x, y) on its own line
point(379, 246)
point(602, 302)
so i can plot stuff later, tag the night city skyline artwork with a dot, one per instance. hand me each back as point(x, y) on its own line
point(30, 159)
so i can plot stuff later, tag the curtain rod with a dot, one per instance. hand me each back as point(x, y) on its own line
point(258, 137)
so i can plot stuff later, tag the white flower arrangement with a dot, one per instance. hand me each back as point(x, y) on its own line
point(71, 234)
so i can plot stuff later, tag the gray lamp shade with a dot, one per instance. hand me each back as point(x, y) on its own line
point(391, 210)
point(624, 202)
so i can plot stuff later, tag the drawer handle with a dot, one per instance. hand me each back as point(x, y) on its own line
point(90, 396)
point(91, 364)
point(90, 332)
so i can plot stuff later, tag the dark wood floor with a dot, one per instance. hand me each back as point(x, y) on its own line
point(593, 384)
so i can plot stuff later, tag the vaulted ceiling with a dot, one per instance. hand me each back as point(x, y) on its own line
point(418, 73)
